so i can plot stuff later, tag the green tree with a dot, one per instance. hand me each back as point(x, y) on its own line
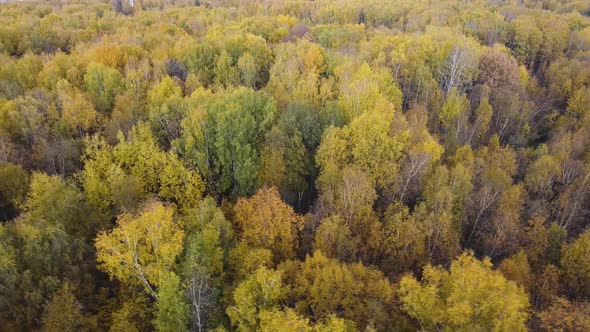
point(173, 311)
point(226, 74)
point(166, 110)
point(202, 266)
point(288, 152)
point(102, 84)
point(225, 141)
point(284, 161)
point(200, 58)
point(37, 259)
point(526, 38)
point(55, 201)
point(263, 290)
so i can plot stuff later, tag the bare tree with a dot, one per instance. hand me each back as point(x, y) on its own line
point(455, 71)
point(488, 196)
point(117, 6)
point(415, 164)
point(202, 298)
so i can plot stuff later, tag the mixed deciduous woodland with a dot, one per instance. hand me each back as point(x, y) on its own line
point(297, 165)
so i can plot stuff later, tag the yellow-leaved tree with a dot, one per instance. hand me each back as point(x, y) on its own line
point(142, 248)
point(324, 286)
point(470, 297)
point(263, 290)
point(265, 221)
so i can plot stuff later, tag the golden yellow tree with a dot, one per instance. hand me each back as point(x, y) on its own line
point(265, 221)
point(141, 248)
point(324, 286)
point(469, 297)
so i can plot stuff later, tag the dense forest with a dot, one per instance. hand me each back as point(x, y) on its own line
point(297, 165)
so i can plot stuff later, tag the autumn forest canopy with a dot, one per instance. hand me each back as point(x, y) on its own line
point(296, 165)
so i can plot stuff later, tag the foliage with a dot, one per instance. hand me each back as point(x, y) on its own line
point(326, 286)
point(259, 292)
point(172, 310)
point(142, 248)
point(268, 165)
point(265, 221)
point(470, 296)
point(63, 313)
point(102, 84)
point(575, 266)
